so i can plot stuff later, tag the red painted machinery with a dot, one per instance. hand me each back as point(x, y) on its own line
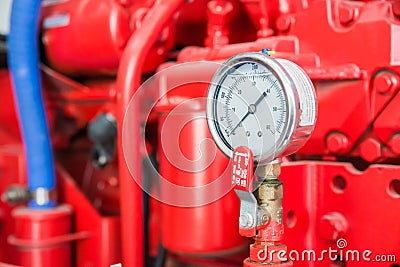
point(103, 60)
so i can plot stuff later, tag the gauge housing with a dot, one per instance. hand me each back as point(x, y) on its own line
point(301, 104)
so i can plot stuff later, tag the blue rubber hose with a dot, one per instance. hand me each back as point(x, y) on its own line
point(23, 60)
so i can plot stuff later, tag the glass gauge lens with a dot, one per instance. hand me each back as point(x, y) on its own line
point(268, 105)
point(250, 108)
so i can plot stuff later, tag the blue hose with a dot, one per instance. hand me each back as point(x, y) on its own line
point(23, 59)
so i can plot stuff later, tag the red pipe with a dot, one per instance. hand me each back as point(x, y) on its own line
point(128, 81)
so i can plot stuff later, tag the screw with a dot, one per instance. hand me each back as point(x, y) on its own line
point(15, 195)
point(347, 15)
point(370, 150)
point(385, 82)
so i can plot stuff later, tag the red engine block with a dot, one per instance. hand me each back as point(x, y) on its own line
point(342, 186)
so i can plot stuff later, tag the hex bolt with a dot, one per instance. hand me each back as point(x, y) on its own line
point(394, 143)
point(385, 82)
point(371, 150)
point(347, 15)
point(246, 220)
point(332, 225)
point(337, 143)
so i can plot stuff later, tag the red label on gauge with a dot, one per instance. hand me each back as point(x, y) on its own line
point(242, 163)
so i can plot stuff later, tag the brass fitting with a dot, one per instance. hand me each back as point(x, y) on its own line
point(270, 194)
point(272, 170)
point(270, 190)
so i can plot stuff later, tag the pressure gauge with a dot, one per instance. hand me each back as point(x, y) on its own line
point(266, 104)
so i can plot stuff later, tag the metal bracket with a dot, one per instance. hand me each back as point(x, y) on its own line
point(248, 213)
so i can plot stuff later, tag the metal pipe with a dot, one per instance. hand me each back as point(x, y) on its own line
point(128, 81)
point(23, 57)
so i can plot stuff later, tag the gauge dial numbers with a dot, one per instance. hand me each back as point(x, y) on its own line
point(251, 108)
point(248, 105)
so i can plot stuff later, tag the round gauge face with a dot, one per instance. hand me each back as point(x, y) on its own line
point(249, 108)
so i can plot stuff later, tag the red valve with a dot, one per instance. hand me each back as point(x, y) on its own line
point(257, 221)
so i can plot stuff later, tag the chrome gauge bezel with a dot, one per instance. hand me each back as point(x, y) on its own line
point(287, 85)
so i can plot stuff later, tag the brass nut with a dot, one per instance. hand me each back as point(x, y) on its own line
point(269, 170)
point(268, 191)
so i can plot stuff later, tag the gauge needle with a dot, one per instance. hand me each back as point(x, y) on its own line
point(244, 117)
point(251, 109)
point(259, 99)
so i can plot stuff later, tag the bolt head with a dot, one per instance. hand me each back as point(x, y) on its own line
point(371, 150)
point(385, 83)
point(337, 143)
point(394, 144)
point(347, 15)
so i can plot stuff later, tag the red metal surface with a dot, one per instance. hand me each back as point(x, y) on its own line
point(12, 172)
point(102, 247)
point(128, 81)
point(12, 165)
point(240, 29)
point(38, 236)
point(326, 201)
point(362, 96)
point(248, 263)
point(74, 47)
point(219, 17)
point(268, 239)
point(79, 48)
point(72, 105)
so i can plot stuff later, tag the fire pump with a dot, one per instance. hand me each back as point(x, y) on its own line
point(107, 157)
